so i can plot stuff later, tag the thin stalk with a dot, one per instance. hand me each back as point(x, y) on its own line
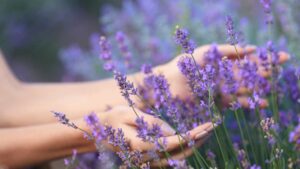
point(238, 54)
point(242, 133)
point(214, 129)
point(249, 138)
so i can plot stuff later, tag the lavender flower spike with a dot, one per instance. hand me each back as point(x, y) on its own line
point(121, 40)
point(127, 88)
point(105, 54)
point(62, 118)
point(105, 48)
point(231, 32)
point(267, 5)
point(181, 38)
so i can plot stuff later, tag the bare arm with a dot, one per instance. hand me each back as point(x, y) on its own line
point(21, 101)
point(30, 145)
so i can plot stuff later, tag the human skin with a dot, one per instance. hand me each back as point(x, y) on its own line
point(30, 134)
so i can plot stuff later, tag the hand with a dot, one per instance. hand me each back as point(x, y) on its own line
point(123, 117)
point(178, 83)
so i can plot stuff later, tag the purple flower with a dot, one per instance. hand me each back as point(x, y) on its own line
point(121, 38)
point(267, 5)
point(95, 127)
point(181, 38)
point(231, 32)
point(106, 54)
point(149, 134)
point(291, 84)
point(263, 56)
point(70, 163)
point(176, 164)
point(230, 86)
point(235, 105)
point(254, 101)
point(268, 126)
point(242, 156)
point(294, 136)
point(251, 79)
point(211, 157)
point(109, 66)
point(199, 83)
point(212, 56)
point(127, 88)
point(146, 68)
point(255, 167)
point(117, 139)
point(274, 53)
point(105, 48)
point(160, 87)
point(62, 118)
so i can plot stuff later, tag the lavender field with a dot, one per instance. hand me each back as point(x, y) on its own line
point(209, 84)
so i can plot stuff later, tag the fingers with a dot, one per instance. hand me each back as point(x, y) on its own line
point(232, 53)
point(165, 127)
point(131, 117)
point(170, 143)
point(283, 57)
point(174, 141)
point(262, 71)
point(180, 155)
point(244, 101)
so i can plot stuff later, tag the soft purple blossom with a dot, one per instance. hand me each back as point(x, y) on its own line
point(274, 53)
point(62, 118)
point(160, 87)
point(212, 56)
point(146, 68)
point(121, 40)
point(294, 136)
point(105, 49)
point(248, 73)
point(106, 54)
point(176, 164)
point(267, 5)
point(127, 88)
point(96, 128)
point(235, 105)
point(255, 167)
point(242, 156)
point(232, 35)
point(69, 163)
point(109, 66)
point(226, 73)
point(291, 85)
point(199, 83)
point(149, 133)
point(181, 38)
point(263, 56)
point(268, 126)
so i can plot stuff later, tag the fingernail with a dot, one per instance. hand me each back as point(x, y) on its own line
point(200, 135)
point(167, 128)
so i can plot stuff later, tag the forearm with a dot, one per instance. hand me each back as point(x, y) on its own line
point(20, 147)
point(74, 99)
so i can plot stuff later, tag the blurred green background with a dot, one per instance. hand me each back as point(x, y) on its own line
point(32, 33)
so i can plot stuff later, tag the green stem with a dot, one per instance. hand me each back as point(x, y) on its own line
point(242, 133)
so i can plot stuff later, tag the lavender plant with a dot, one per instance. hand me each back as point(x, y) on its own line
point(246, 138)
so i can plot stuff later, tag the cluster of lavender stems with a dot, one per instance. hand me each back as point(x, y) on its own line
point(202, 81)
